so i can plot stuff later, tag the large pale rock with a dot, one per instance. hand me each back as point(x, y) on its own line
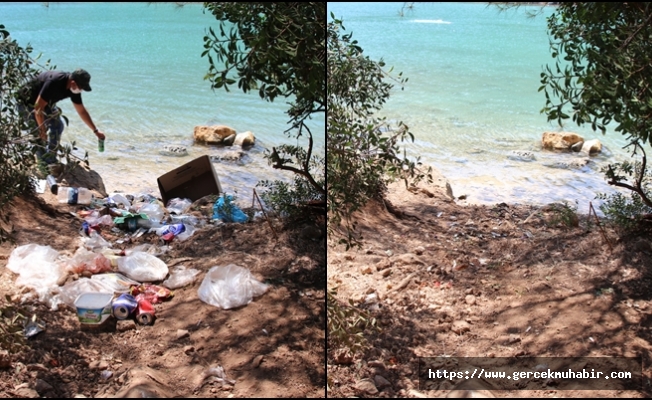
point(366, 387)
point(592, 146)
point(244, 139)
point(214, 134)
point(561, 141)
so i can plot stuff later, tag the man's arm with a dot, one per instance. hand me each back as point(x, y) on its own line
point(39, 107)
point(85, 116)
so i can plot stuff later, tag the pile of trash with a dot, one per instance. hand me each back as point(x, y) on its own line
point(136, 278)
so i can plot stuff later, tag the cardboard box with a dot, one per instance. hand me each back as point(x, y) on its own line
point(192, 180)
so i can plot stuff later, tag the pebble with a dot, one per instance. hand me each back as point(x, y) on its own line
point(383, 264)
point(470, 299)
point(366, 386)
point(42, 386)
point(182, 333)
point(381, 382)
point(514, 339)
point(27, 393)
point(126, 325)
point(5, 360)
point(256, 362)
point(460, 327)
point(409, 258)
point(376, 364)
point(343, 357)
point(419, 250)
point(188, 349)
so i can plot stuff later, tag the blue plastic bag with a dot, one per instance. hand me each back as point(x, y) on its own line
point(227, 211)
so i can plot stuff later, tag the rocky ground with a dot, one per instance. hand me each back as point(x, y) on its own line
point(272, 347)
point(444, 279)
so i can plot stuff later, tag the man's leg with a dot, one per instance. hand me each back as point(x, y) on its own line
point(55, 130)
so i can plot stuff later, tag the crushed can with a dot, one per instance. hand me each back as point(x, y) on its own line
point(124, 306)
point(144, 311)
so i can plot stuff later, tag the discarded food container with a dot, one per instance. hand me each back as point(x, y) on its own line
point(192, 180)
point(145, 311)
point(124, 306)
point(93, 308)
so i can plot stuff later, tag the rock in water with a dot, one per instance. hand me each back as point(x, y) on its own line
point(561, 141)
point(174, 151)
point(518, 155)
point(212, 134)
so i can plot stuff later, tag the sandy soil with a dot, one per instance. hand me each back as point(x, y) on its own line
point(444, 279)
point(272, 347)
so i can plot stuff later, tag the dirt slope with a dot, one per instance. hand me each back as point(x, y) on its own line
point(486, 281)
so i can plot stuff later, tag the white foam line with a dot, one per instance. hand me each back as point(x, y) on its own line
point(430, 21)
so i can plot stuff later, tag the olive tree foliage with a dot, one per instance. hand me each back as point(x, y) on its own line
point(364, 151)
point(603, 76)
point(17, 161)
point(278, 50)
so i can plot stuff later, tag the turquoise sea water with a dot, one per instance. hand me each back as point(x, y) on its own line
point(471, 99)
point(148, 89)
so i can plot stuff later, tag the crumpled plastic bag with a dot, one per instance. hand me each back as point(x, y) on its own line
point(142, 267)
point(115, 283)
point(178, 206)
point(84, 260)
point(154, 211)
point(149, 249)
point(95, 242)
point(37, 268)
point(229, 287)
point(228, 212)
point(71, 290)
point(181, 277)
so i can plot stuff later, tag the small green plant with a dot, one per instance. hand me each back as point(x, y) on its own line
point(12, 319)
point(623, 211)
point(626, 211)
point(347, 324)
point(292, 200)
point(564, 214)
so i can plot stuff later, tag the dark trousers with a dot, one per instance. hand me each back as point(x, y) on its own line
point(54, 125)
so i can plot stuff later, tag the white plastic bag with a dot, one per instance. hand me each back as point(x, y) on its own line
point(119, 198)
point(154, 211)
point(178, 206)
point(181, 277)
point(95, 242)
point(114, 282)
point(71, 290)
point(142, 267)
point(229, 287)
point(84, 260)
point(37, 268)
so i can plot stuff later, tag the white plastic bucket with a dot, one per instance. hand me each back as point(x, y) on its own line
point(93, 308)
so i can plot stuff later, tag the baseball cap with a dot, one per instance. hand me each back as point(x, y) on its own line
point(82, 78)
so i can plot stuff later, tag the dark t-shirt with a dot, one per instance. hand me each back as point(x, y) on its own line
point(51, 86)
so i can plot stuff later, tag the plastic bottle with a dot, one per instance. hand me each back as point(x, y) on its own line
point(74, 195)
point(174, 229)
point(52, 184)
